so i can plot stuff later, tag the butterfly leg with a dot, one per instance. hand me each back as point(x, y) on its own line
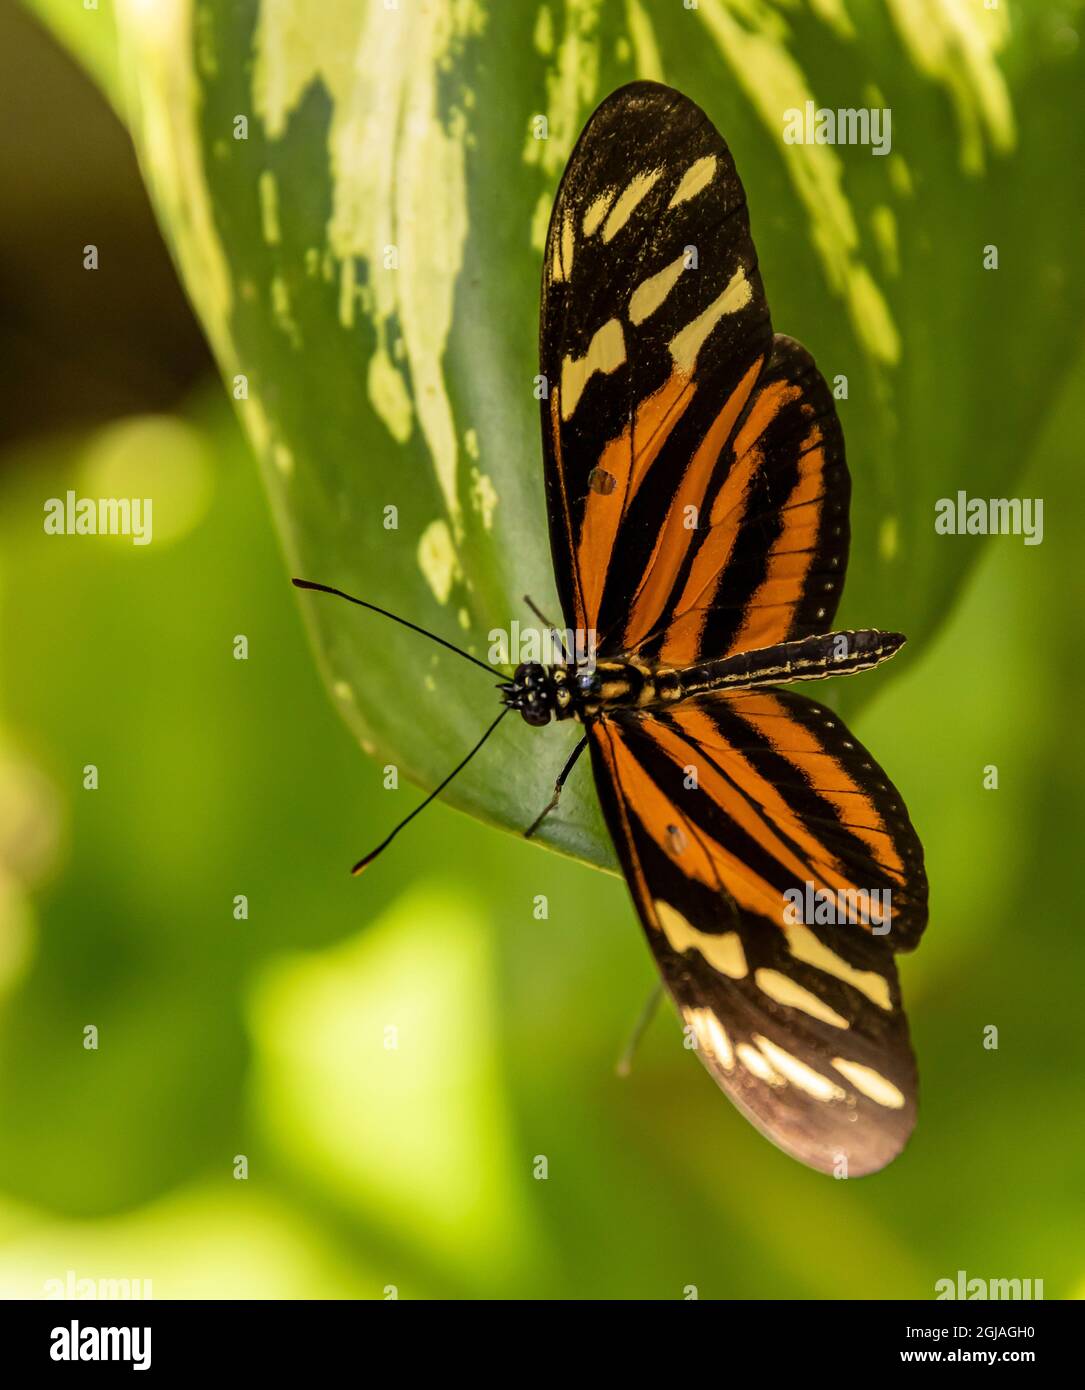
point(625, 1061)
point(557, 789)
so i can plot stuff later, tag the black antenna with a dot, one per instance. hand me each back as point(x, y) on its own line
point(361, 864)
point(548, 624)
point(327, 589)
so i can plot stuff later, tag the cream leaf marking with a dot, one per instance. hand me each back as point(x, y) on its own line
point(798, 1073)
point(437, 559)
point(686, 344)
point(395, 159)
point(651, 293)
point(695, 180)
point(756, 51)
point(712, 1038)
point(606, 352)
point(597, 211)
point(871, 1083)
point(631, 195)
point(722, 951)
point(785, 991)
point(805, 946)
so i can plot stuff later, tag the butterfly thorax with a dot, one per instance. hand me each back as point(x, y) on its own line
point(581, 691)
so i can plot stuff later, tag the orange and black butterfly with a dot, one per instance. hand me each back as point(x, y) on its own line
point(698, 503)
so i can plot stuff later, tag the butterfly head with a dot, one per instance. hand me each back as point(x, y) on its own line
point(540, 693)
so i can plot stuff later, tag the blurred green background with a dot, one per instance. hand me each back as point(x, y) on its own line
point(413, 1166)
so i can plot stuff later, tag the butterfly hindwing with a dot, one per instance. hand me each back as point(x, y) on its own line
point(654, 328)
point(811, 796)
point(721, 808)
point(767, 560)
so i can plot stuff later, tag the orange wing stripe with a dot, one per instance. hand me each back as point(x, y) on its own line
point(697, 726)
point(683, 642)
point(764, 712)
point(622, 473)
point(702, 858)
point(674, 535)
point(791, 555)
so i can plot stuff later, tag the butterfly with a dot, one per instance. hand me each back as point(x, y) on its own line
point(698, 498)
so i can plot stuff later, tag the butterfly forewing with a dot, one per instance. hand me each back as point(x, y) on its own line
point(654, 326)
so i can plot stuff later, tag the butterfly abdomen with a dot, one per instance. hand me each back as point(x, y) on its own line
point(808, 658)
point(632, 683)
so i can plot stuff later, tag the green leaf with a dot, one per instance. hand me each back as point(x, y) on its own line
point(89, 31)
point(366, 262)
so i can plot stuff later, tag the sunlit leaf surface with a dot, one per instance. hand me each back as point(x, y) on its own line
point(366, 262)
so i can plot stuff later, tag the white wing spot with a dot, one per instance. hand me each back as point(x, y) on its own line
point(631, 195)
point(805, 946)
point(754, 1063)
point(871, 1083)
point(695, 180)
point(798, 1073)
point(712, 1038)
point(606, 353)
point(562, 265)
point(784, 990)
point(597, 211)
point(686, 344)
point(651, 293)
point(722, 951)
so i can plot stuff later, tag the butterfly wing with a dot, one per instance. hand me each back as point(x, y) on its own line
point(653, 329)
point(695, 473)
point(698, 498)
point(723, 811)
point(767, 561)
